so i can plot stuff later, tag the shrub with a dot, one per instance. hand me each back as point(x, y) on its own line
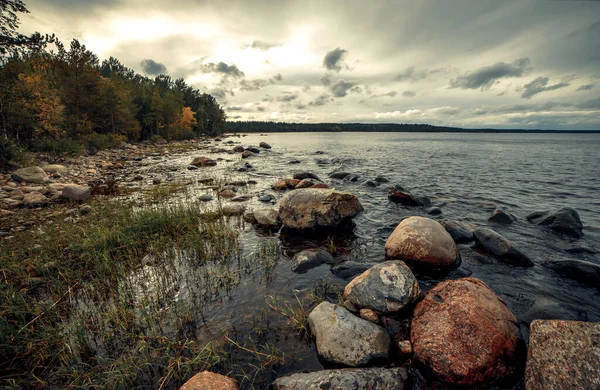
point(10, 152)
point(94, 142)
point(57, 148)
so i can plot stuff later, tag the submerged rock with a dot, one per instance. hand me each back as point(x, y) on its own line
point(346, 378)
point(459, 232)
point(309, 208)
point(233, 209)
point(305, 183)
point(267, 198)
point(238, 149)
point(339, 175)
point(582, 271)
point(207, 380)
point(310, 258)
point(247, 154)
point(343, 338)
point(563, 355)
point(30, 175)
point(349, 269)
point(264, 145)
point(422, 241)
point(386, 288)
point(306, 175)
point(565, 221)
point(502, 217)
point(497, 245)
point(465, 334)
point(400, 195)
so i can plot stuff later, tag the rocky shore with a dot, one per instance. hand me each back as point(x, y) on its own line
point(459, 332)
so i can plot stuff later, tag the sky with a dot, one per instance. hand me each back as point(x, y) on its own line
point(478, 63)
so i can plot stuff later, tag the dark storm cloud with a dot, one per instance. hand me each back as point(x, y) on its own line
point(286, 98)
point(334, 59)
point(257, 84)
point(592, 104)
point(409, 94)
point(221, 93)
point(485, 77)
point(412, 74)
point(320, 101)
point(341, 87)
point(222, 68)
point(540, 85)
point(586, 87)
point(153, 68)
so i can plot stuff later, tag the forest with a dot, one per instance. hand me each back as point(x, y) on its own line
point(54, 96)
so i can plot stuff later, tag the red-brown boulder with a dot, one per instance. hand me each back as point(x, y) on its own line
point(207, 380)
point(465, 334)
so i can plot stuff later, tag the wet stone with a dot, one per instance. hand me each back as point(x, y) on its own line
point(347, 379)
point(310, 258)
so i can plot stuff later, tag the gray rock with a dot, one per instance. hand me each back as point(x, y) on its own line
point(423, 242)
point(76, 192)
point(349, 269)
point(371, 183)
point(310, 258)
point(54, 168)
point(381, 179)
point(238, 149)
point(459, 232)
point(339, 175)
point(192, 167)
point(386, 288)
point(267, 198)
point(565, 221)
point(205, 198)
point(267, 217)
point(563, 355)
point(85, 209)
point(346, 339)
point(502, 217)
point(582, 271)
point(241, 198)
point(306, 175)
point(434, 211)
point(264, 145)
point(309, 208)
point(34, 199)
point(495, 244)
point(347, 379)
point(253, 149)
point(30, 175)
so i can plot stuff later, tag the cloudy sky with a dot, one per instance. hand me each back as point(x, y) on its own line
point(476, 63)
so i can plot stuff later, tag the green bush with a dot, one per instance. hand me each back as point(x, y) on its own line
point(57, 148)
point(10, 152)
point(94, 142)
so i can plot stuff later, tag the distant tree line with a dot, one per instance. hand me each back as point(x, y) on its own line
point(68, 94)
point(284, 127)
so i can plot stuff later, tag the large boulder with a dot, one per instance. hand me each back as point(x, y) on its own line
point(563, 355)
point(495, 244)
point(582, 271)
point(374, 378)
point(30, 175)
point(76, 192)
point(565, 221)
point(207, 380)
point(34, 199)
point(464, 333)
point(309, 208)
point(422, 241)
point(346, 339)
point(386, 288)
point(310, 258)
point(203, 162)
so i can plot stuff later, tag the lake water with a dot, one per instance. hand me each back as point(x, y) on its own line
point(466, 175)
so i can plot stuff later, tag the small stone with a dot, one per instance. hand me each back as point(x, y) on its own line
point(369, 315)
point(233, 209)
point(192, 167)
point(305, 183)
point(339, 175)
point(34, 199)
point(405, 347)
point(264, 145)
point(227, 193)
point(241, 198)
point(267, 217)
point(76, 192)
point(502, 217)
point(310, 258)
point(85, 209)
point(203, 162)
point(280, 185)
point(205, 198)
point(210, 381)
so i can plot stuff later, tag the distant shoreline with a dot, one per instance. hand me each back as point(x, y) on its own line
point(281, 127)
